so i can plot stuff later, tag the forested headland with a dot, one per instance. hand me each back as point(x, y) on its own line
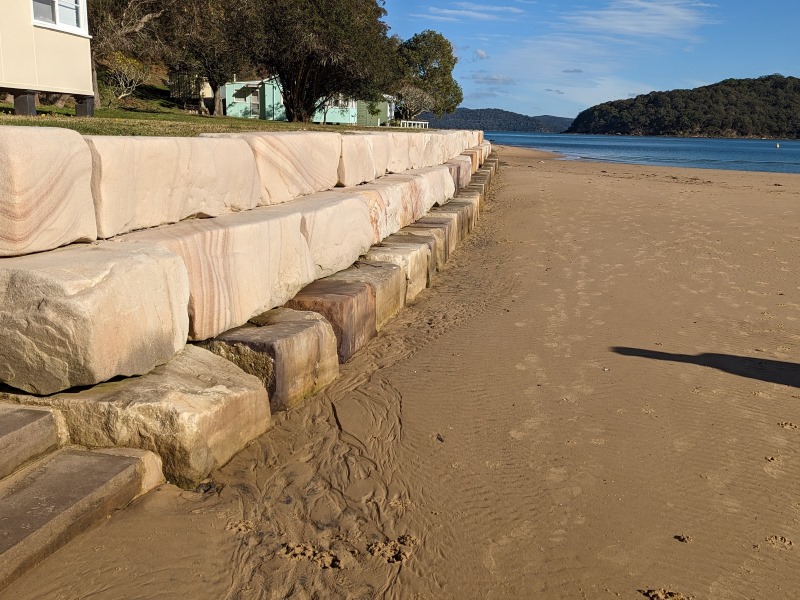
point(495, 119)
point(768, 106)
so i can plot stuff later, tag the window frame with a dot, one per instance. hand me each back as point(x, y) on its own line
point(82, 31)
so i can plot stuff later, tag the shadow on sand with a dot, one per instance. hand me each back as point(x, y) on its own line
point(773, 371)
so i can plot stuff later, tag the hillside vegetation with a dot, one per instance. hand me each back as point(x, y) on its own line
point(494, 119)
point(764, 107)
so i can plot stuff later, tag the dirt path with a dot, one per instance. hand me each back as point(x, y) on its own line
point(600, 397)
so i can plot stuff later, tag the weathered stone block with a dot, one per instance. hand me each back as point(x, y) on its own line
point(356, 164)
point(81, 315)
point(45, 190)
point(475, 198)
point(474, 156)
point(388, 284)
point(293, 164)
point(293, 353)
point(441, 247)
point(240, 265)
point(461, 214)
point(417, 240)
point(389, 204)
point(338, 227)
point(470, 211)
point(463, 166)
point(413, 259)
point(141, 182)
point(196, 412)
point(448, 222)
point(348, 306)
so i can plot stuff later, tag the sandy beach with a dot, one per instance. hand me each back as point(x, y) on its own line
point(599, 398)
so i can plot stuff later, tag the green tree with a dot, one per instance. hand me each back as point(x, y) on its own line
point(321, 49)
point(427, 82)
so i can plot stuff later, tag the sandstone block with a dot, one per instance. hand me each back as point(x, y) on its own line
point(348, 306)
point(45, 190)
point(461, 214)
point(446, 221)
point(141, 182)
point(475, 198)
point(413, 259)
point(293, 164)
point(380, 152)
point(440, 249)
point(240, 265)
point(486, 150)
point(389, 204)
point(388, 284)
point(196, 412)
point(356, 164)
point(463, 166)
point(81, 315)
point(293, 353)
point(469, 206)
point(474, 156)
point(417, 240)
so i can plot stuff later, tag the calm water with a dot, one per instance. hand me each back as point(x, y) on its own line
point(738, 155)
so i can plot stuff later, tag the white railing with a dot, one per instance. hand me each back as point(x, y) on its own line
point(414, 124)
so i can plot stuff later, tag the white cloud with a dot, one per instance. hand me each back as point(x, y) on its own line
point(456, 12)
point(481, 54)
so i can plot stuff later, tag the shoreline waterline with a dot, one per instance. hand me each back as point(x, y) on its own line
point(749, 155)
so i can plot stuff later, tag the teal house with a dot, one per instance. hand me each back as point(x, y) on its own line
point(263, 100)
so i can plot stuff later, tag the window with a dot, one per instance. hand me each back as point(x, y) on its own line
point(67, 15)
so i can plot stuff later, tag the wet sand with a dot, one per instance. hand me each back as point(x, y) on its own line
point(599, 398)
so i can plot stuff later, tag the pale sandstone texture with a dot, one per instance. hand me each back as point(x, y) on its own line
point(413, 259)
point(348, 306)
point(357, 163)
point(459, 212)
point(439, 248)
point(45, 190)
point(388, 283)
point(463, 165)
point(240, 265)
point(415, 241)
point(293, 164)
point(449, 222)
point(475, 157)
point(292, 352)
point(338, 228)
point(140, 182)
point(196, 412)
point(81, 315)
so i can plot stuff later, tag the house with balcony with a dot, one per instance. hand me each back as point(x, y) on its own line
point(44, 47)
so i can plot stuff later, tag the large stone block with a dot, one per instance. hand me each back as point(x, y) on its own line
point(440, 248)
point(469, 206)
point(240, 265)
point(293, 164)
point(141, 182)
point(406, 151)
point(460, 213)
point(413, 259)
point(449, 223)
point(292, 352)
point(338, 227)
point(416, 240)
point(347, 305)
point(463, 167)
point(388, 284)
point(356, 164)
point(81, 315)
point(45, 190)
point(196, 412)
point(474, 156)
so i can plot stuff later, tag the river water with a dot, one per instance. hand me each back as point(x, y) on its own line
point(776, 156)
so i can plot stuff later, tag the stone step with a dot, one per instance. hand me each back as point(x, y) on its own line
point(25, 434)
point(441, 248)
point(50, 502)
point(413, 259)
point(388, 283)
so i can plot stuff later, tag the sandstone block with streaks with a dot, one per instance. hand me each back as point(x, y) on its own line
point(338, 227)
point(447, 222)
point(294, 163)
point(239, 265)
point(463, 165)
point(440, 249)
point(141, 182)
point(81, 315)
point(292, 352)
point(468, 206)
point(45, 190)
point(413, 259)
point(474, 156)
point(348, 306)
point(461, 215)
point(388, 283)
point(196, 412)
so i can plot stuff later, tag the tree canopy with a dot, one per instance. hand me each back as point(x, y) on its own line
point(768, 106)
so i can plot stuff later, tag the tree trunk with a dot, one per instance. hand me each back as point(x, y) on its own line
point(219, 110)
point(95, 87)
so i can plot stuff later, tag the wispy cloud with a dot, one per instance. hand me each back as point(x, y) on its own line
point(493, 79)
point(455, 12)
point(559, 92)
point(480, 54)
point(572, 71)
point(675, 19)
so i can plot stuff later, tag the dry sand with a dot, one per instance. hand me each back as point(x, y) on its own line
point(599, 398)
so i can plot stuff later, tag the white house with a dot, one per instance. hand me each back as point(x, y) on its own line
point(44, 47)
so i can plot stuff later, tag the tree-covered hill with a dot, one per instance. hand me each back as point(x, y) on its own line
point(764, 107)
point(494, 119)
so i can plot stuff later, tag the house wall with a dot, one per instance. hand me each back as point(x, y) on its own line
point(38, 58)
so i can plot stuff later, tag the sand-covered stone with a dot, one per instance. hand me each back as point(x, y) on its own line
point(140, 182)
point(294, 163)
point(45, 190)
point(293, 353)
point(81, 315)
point(348, 306)
point(413, 259)
point(388, 283)
point(240, 265)
point(196, 412)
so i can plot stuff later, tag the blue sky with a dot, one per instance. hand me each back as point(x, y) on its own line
point(559, 57)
